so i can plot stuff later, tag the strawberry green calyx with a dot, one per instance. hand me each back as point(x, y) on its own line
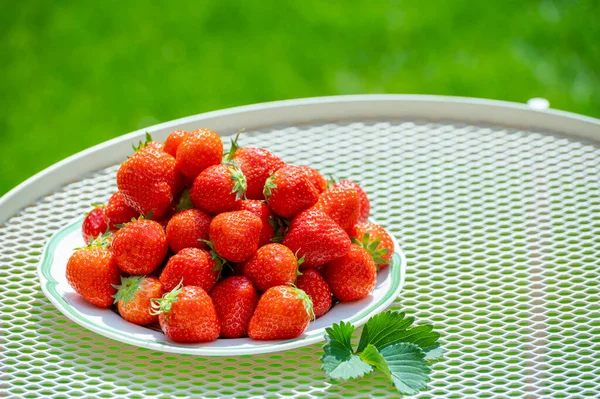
point(220, 261)
point(269, 186)
point(332, 181)
point(163, 305)
point(97, 205)
point(101, 241)
point(142, 144)
point(129, 286)
point(371, 247)
point(141, 217)
point(280, 227)
point(239, 180)
point(234, 147)
point(184, 202)
point(308, 304)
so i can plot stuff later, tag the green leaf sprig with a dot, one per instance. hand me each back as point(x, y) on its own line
point(388, 343)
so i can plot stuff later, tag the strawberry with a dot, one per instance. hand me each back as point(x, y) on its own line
point(94, 224)
point(149, 181)
point(187, 228)
point(193, 266)
point(376, 240)
point(317, 238)
point(271, 265)
point(235, 235)
point(235, 299)
point(133, 298)
point(140, 246)
point(342, 204)
point(289, 192)
point(311, 282)
point(173, 141)
point(315, 178)
point(365, 205)
point(218, 188)
point(92, 271)
point(353, 276)
point(187, 315)
point(260, 209)
point(197, 151)
point(283, 312)
point(257, 164)
point(118, 212)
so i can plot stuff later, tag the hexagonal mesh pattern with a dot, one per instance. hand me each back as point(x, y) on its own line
point(501, 230)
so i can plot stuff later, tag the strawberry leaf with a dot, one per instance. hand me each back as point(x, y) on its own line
point(390, 327)
point(339, 361)
point(407, 366)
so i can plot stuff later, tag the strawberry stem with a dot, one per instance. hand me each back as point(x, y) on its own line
point(163, 304)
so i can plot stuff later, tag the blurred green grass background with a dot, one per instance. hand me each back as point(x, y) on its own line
point(77, 73)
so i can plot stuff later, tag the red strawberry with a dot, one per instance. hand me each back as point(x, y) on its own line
point(315, 178)
point(353, 276)
point(94, 224)
point(376, 240)
point(149, 182)
point(289, 192)
point(218, 188)
point(235, 299)
point(140, 246)
point(342, 204)
point(173, 141)
point(118, 212)
point(187, 228)
point(193, 266)
point(365, 205)
point(187, 315)
point(317, 238)
point(133, 298)
point(271, 265)
point(199, 150)
point(235, 235)
point(283, 312)
point(257, 164)
point(311, 282)
point(260, 209)
point(92, 271)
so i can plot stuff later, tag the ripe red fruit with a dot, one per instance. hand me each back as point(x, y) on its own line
point(149, 182)
point(199, 150)
point(315, 178)
point(260, 209)
point(173, 141)
point(92, 271)
point(235, 299)
point(289, 192)
point(376, 240)
point(311, 282)
point(94, 224)
point(364, 204)
point(140, 246)
point(317, 238)
point(187, 228)
point(353, 276)
point(218, 188)
point(187, 315)
point(193, 266)
point(271, 265)
point(118, 212)
point(342, 204)
point(133, 298)
point(257, 164)
point(235, 235)
point(283, 312)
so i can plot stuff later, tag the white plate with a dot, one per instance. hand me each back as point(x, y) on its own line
point(106, 322)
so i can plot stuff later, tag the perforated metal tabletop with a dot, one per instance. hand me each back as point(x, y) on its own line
point(500, 224)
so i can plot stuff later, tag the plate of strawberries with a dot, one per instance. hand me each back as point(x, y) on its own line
point(216, 253)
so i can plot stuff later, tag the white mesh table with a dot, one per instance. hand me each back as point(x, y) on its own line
point(496, 206)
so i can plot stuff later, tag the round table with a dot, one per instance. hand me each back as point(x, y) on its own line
point(496, 205)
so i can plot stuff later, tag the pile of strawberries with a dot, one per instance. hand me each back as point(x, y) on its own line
point(229, 245)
